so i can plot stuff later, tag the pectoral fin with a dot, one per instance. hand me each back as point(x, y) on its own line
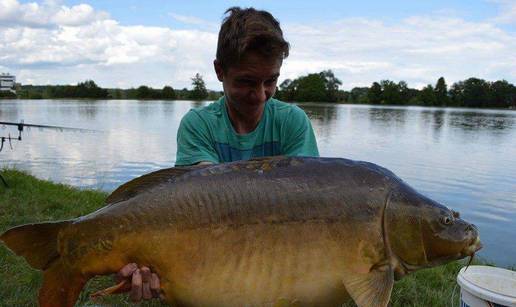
point(371, 289)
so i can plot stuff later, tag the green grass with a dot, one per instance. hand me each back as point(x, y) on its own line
point(32, 200)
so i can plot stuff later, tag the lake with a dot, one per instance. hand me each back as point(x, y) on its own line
point(463, 158)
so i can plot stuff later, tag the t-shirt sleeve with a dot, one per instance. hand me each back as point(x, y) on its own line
point(298, 137)
point(194, 142)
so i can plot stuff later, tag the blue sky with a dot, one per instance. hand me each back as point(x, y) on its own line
point(130, 43)
point(155, 12)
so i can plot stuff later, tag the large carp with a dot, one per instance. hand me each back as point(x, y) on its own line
point(306, 231)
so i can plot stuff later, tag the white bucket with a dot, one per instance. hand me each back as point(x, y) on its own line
point(484, 286)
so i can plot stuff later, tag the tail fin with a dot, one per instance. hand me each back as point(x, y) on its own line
point(61, 286)
point(37, 243)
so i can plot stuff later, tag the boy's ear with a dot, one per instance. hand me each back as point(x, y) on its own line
point(218, 70)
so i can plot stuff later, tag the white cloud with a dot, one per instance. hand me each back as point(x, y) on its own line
point(77, 43)
point(418, 49)
point(77, 15)
point(53, 43)
point(507, 11)
point(48, 14)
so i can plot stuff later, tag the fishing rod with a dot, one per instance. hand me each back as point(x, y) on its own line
point(21, 125)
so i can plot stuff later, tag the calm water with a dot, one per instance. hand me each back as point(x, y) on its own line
point(463, 158)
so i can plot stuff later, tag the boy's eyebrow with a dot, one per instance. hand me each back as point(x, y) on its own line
point(250, 76)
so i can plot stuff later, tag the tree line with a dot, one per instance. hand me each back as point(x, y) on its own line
point(314, 87)
point(89, 89)
point(473, 92)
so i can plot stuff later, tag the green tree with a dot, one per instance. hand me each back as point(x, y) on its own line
point(331, 84)
point(390, 92)
point(143, 92)
point(375, 93)
point(342, 95)
point(441, 92)
point(287, 90)
point(199, 91)
point(323, 86)
point(456, 93)
point(86, 89)
point(359, 95)
point(168, 93)
point(427, 96)
point(311, 88)
point(214, 95)
point(502, 94)
point(405, 92)
point(131, 93)
point(117, 94)
point(476, 93)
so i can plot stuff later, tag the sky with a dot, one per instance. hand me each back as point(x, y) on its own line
point(156, 43)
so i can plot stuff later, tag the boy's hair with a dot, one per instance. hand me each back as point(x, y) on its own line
point(247, 30)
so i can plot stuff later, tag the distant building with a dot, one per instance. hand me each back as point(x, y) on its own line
point(7, 82)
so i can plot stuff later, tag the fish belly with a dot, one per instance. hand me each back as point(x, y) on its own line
point(254, 265)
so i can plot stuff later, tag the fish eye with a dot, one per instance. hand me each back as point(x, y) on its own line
point(446, 220)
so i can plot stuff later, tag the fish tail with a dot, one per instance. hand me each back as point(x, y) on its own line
point(61, 287)
point(38, 244)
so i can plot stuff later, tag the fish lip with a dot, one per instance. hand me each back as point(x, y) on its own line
point(479, 246)
point(474, 247)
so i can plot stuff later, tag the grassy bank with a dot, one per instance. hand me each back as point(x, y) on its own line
point(31, 200)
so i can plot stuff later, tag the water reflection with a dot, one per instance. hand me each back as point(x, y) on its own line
point(438, 117)
point(323, 118)
point(433, 119)
point(388, 117)
point(323, 113)
point(474, 121)
point(168, 107)
point(145, 108)
point(66, 109)
point(88, 109)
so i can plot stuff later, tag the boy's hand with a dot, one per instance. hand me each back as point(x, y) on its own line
point(141, 282)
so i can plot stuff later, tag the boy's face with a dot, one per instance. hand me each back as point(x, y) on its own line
point(249, 84)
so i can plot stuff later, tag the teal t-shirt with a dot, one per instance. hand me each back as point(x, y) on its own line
point(206, 134)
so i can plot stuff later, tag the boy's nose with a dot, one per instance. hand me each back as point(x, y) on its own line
point(260, 93)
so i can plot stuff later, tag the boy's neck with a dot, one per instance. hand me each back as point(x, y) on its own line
point(245, 123)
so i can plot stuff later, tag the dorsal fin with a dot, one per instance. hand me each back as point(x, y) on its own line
point(148, 181)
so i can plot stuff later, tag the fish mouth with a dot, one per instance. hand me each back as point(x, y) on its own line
point(471, 249)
